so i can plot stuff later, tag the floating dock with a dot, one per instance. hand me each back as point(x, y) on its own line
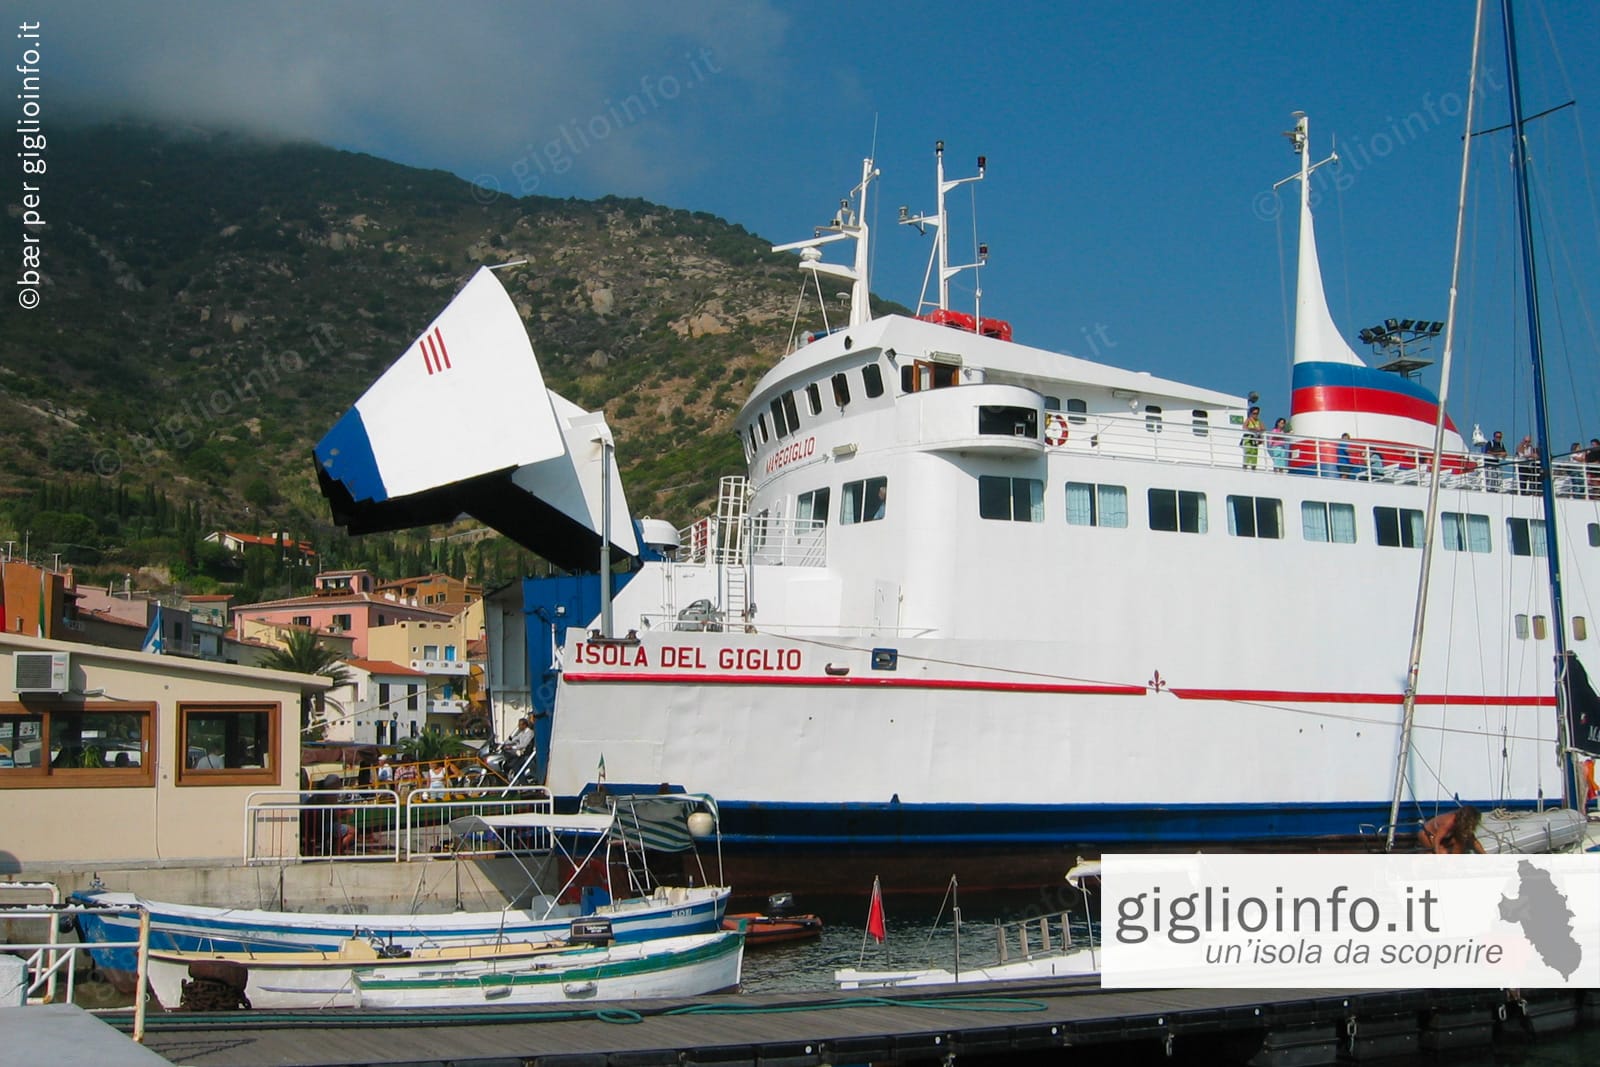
point(1010, 1024)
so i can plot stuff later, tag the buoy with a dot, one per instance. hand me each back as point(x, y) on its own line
point(701, 824)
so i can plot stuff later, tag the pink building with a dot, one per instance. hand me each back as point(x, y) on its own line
point(342, 603)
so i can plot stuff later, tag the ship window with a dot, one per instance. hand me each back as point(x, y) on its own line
point(1327, 523)
point(1177, 511)
point(841, 389)
point(790, 410)
point(1076, 410)
point(1521, 624)
point(761, 421)
point(1008, 421)
point(1202, 422)
point(814, 398)
point(1541, 627)
point(908, 378)
point(812, 508)
point(1010, 499)
point(225, 744)
point(1464, 533)
point(752, 429)
point(1152, 418)
point(84, 745)
point(1052, 403)
point(1097, 505)
point(779, 423)
point(864, 501)
point(1594, 535)
point(872, 378)
point(1255, 516)
point(1526, 537)
point(1580, 628)
point(1398, 527)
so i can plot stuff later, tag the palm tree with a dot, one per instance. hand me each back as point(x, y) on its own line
point(433, 745)
point(302, 653)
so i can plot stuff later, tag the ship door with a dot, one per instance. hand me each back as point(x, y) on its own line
point(923, 375)
point(885, 608)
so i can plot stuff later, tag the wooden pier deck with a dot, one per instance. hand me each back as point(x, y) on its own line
point(1011, 1024)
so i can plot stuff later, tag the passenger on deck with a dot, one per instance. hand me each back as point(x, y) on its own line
point(1495, 453)
point(1251, 440)
point(1452, 833)
point(1528, 465)
point(1278, 444)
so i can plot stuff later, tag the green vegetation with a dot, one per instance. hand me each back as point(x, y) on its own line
point(215, 303)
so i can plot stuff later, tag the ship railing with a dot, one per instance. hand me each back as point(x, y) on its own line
point(1041, 935)
point(50, 964)
point(788, 542)
point(384, 824)
point(431, 828)
point(1170, 440)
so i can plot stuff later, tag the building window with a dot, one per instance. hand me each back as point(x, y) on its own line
point(227, 744)
point(1327, 523)
point(1527, 537)
point(1152, 418)
point(1097, 505)
point(450, 653)
point(864, 501)
point(814, 399)
point(811, 509)
point(341, 622)
point(1255, 516)
point(383, 620)
point(413, 697)
point(1077, 411)
point(301, 620)
point(96, 745)
point(1398, 527)
point(1201, 422)
point(779, 422)
point(1010, 499)
point(383, 696)
point(1464, 533)
point(1177, 511)
point(872, 378)
point(430, 651)
point(841, 389)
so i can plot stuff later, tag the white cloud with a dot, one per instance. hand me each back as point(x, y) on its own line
point(583, 97)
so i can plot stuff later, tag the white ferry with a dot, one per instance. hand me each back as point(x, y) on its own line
point(977, 599)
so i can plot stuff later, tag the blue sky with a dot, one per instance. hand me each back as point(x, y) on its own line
point(1132, 147)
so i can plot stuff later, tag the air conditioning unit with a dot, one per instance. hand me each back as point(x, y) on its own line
point(41, 672)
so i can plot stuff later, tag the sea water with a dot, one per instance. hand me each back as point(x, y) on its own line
point(921, 940)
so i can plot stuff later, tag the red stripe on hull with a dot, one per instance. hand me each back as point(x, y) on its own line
point(877, 683)
point(1283, 696)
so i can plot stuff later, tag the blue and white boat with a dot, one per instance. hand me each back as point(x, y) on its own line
point(667, 911)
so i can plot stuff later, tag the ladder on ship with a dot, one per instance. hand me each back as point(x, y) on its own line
point(732, 545)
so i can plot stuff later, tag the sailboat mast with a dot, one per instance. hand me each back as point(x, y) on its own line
point(1540, 404)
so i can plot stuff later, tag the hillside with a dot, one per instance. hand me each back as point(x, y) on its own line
point(212, 304)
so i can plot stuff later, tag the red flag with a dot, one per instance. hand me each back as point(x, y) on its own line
point(875, 928)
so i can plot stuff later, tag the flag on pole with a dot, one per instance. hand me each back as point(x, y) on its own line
point(44, 599)
point(154, 640)
point(875, 927)
point(600, 772)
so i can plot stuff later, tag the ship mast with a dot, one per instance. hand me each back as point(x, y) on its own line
point(1530, 283)
point(849, 223)
point(941, 246)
